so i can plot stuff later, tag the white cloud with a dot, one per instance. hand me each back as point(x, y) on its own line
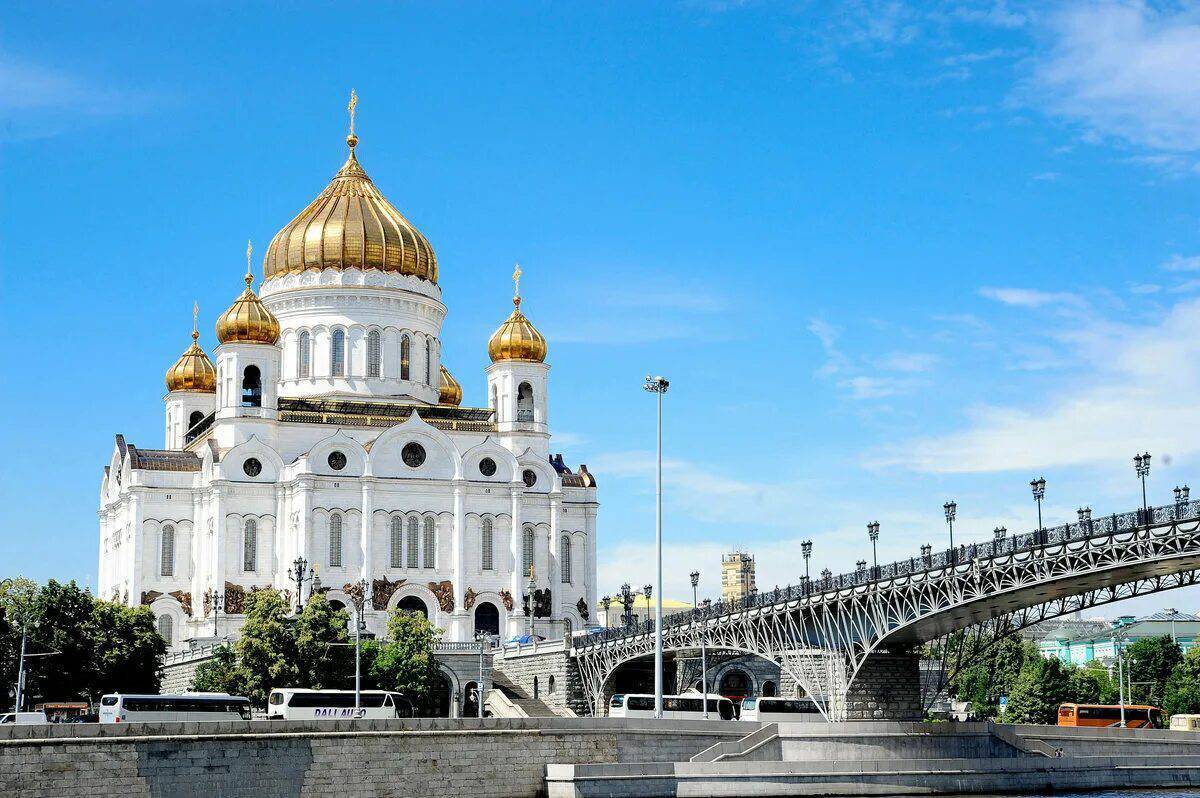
point(907, 362)
point(1125, 70)
point(1139, 393)
point(1178, 263)
point(1029, 297)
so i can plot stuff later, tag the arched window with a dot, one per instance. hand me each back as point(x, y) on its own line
point(304, 355)
point(487, 544)
point(167, 552)
point(564, 558)
point(335, 540)
point(373, 354)
point(397, 559)
point(251, 387)
point(413, 538)
point(405, 356)
point(166, 628)
point(428, 362)
point(337, 354)
point(525, 402)
point(527, 553)
point(430, 542)
point(195, 418)
point(250, 546)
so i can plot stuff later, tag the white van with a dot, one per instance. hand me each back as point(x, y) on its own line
point(1185, 723)
point(23, 718)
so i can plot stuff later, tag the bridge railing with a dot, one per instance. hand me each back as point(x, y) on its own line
point(932, 561)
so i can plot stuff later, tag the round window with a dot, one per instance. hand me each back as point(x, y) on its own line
point(487, 467)
point(413, 454)
point(337, 460)
point(252, 467)
point(530, 477)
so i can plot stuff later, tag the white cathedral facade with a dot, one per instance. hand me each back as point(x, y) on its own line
point(329, 435)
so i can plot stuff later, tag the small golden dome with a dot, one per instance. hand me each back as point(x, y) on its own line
point(193, 371)
point(248, 321)
point(350, 226)
point(517, 339)
point(449, 391)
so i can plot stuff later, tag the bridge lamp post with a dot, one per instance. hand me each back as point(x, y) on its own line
point(695, 575)
point(1141, 463)
point(1000, 532)
point(951, 509)
point(605, 601)
point(1085, 520)
point(806, 550)
point(627, 605)
point(873, 534)
point(658, 386)
point(1038, 486)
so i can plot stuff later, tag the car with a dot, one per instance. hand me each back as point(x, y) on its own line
point(23, 718)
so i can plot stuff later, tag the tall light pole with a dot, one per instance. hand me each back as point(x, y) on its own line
point(806, 550)
point(1120, 678)
point(299, 574)
point(217, 602)
point(357, 593)
point(658, 386)
point(481, 638)
point(647, 591)
point(1141, 463)
point(1038, 486)
point(695, 575)
point(605, 602)
point(530, 587)
point(951, 509)
point(873, 534)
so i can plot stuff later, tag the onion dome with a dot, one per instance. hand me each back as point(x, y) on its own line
point(449, 391)
point(193, 371)
point(350, 226)
point(248, 321)
point(517, 338)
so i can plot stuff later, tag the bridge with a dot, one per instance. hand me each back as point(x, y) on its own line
point(851, 641)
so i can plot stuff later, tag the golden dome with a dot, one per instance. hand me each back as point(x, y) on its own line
point(193, 371)
point(517, 339)
point(449, 391)
point(350, 226)
point(248, 321)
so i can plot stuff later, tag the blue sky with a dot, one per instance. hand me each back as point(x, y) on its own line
point(887, 253)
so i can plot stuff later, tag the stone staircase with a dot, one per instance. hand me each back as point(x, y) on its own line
point(507, 700)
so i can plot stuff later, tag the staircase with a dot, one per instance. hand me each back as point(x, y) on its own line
point(507, 700)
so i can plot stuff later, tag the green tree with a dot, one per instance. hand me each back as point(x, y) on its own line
point(61, 622)
point(405, 662)
point(266, 651)
point(1087, 685)
point(127, 650)
point(1182, 692)
point(1042, 685)
point(221, 674)
point(323, 660)
point(1151, 662)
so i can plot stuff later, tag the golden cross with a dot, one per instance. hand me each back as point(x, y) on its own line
point(517, 280)
point(530, 567)
point(249, 253)
point(353, 104)
point(195, 320)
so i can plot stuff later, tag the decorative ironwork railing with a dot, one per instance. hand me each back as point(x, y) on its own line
point(1116, 523)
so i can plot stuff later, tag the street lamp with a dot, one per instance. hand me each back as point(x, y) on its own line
point(647, 591)
point(1038, 486)
point(1085, 520)
point(806, 550)
point(530, 586)
point(658, 386)
point(873, 534)
point(951, 509)
point(1000, 532)
point(298, 573)
point(605, 601)
point(481, 637)
point(357, 593)
point(215, 600)
point(695, 575)
point(1141, 463)
point(627, 603)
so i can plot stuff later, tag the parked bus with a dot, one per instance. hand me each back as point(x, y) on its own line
point(1185, 723)
point(120, 708)
point(1137, 716)
point(680, 707)
point(294, 703)
point(779, 710)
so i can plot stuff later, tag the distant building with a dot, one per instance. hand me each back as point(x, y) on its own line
point(1080, 642)
point(737, 576)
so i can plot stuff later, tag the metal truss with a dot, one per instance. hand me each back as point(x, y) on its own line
point(823, 637)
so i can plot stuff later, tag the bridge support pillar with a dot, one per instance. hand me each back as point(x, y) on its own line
point(887, 687)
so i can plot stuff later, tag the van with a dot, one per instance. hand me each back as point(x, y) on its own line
point(23, 718)
point(1185, 723)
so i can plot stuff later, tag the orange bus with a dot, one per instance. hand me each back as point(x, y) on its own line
point(1137, 716)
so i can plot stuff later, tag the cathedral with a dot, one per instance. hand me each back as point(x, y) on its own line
point(325, 446)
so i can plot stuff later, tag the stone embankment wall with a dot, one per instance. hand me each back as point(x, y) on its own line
point(888, 687)
point(558, 683)
point(505, 758)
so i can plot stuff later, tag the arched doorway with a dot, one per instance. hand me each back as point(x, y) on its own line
point(439, 702)
point(487, 618)
point(471, 700)
point(251, 387)
point(413, 604)
point(768, 689)
point(336, 605)
point(735, 684)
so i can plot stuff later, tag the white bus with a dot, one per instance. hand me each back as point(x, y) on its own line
point(294, 703)
point(682, 707)
point(120, 708)
point(779, 710)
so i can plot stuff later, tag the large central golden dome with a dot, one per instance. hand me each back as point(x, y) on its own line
point(350, 226)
